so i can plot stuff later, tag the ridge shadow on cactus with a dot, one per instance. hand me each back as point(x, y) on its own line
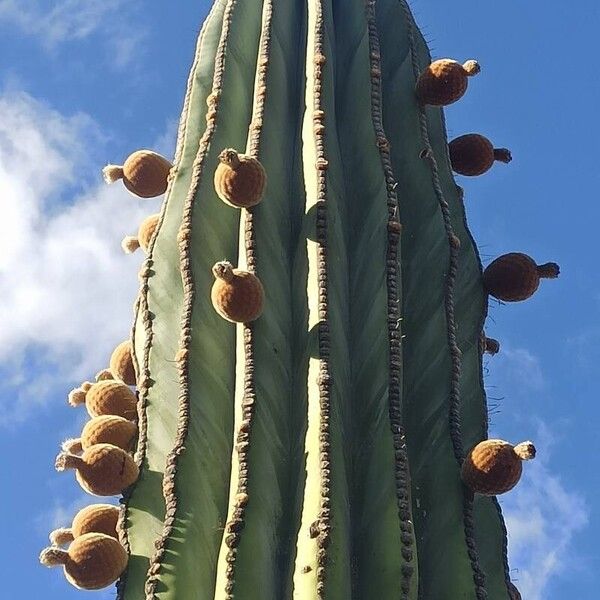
point(333, 444)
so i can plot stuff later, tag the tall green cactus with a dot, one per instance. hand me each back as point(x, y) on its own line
point(315, 452)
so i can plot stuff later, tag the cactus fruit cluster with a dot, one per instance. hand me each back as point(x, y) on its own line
point(309, 419)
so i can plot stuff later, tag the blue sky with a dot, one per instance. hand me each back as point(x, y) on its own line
point(85, 82)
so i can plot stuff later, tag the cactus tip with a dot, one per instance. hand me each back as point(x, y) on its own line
point(525, 450)
point(130, 244)
point(112, 173)
point(472, 68)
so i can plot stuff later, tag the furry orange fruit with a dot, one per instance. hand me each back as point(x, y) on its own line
point(102, 470)
point(494, 467)
point(144, 173)
point(445, 81)
point(145, 232)
point(237, 296)
point(92, 562)
point(105, 429)
point(95, 518)
point(108, 397)
point(473, 154)
point(515, 276)
point(239, 179)
point(121, 363)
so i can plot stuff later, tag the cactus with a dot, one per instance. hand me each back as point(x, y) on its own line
point(320, 448)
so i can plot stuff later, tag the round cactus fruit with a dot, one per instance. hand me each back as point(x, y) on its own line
point(516, 276)
point(473, 154)
point(239, 179)
point(107, 397)
point(145, 232)
point(121, 363)
point(96, 518)
point(494, 466)
point(144, 173)
point(105, 429)
point(92, 562)
point(102, 470)
point(237, 296)
point(445, 81)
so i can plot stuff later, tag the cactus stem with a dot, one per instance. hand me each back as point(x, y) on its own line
point(472, 68)
point(502, 155)
point(525, 450)
point(548, 270)
point(61, 537)
point(54, 557)
point(112, 173)
point(130, 244)
point(104, 375)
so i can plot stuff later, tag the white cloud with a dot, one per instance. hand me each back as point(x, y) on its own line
point(76, 20)
point(542, 517)
point(66, 289)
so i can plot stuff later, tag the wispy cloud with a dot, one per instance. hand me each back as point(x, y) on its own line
point(66, 289)
point(76, 20)
point(539, 550)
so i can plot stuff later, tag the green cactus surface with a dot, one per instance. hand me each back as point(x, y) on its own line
point(316, 452)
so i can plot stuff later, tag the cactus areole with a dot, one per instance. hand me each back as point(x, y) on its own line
point(318, 449)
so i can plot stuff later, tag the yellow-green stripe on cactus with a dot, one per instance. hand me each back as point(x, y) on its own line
point(308, 337)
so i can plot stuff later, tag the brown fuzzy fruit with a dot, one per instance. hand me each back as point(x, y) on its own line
point(445, 81)
point(144, 173)
point(145, 232)
point(516, 276)
point(121, 363)
point(107, 397)
point(494, 466)
point(92, 562)
point(473, 154)
point(237, 296)
point(105, 429)
point(239, 179)
point(96, 518)
point(102, 470)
